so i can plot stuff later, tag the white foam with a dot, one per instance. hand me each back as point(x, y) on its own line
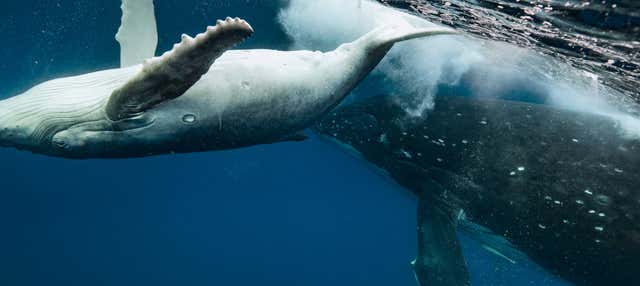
point(413, 70)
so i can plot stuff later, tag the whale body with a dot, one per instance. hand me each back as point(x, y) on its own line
point(560, 186)
point(199, 96)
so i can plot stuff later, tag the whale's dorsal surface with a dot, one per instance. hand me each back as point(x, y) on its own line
point(138, 32)
point(560, 185)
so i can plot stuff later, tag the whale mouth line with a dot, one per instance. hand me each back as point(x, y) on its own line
point(60, 144)
point(136, 123)
point(101, 126)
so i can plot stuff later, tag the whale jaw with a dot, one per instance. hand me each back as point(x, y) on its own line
point(14, 128)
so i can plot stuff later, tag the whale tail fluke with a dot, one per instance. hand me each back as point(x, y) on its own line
point(394, 34)
point(386, 36)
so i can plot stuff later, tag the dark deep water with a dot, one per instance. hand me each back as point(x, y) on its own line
point(286, 214)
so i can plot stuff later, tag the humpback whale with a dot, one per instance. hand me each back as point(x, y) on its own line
point(558, 186)
point(199, 96)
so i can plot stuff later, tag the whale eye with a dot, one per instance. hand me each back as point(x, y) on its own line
point(189, 119)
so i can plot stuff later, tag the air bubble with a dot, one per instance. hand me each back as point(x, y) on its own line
point(603, 200)
point(383, 138)
point(406, 154)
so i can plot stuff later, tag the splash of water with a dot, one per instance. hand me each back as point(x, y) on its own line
point(413, 71)
point(597, 36)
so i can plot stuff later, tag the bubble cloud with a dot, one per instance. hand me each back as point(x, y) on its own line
point(416, 71)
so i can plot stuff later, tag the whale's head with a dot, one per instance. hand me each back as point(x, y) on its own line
point(98, 138)
point(70, 141)
point(5, 137)
point(17, 134)
point(78, 143)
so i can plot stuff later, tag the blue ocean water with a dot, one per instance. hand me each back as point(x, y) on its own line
point(285, 214)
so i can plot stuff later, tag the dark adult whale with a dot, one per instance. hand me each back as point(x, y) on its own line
point(196, 97)
point(561, 186)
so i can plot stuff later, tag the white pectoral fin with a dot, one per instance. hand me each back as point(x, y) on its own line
point(138, 34)
point(170, 75)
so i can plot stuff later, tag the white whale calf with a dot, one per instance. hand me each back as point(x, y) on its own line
point(199, 96)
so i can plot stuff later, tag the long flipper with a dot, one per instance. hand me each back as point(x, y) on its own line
point(138, 33)
point(440, 261)
point(170, 75)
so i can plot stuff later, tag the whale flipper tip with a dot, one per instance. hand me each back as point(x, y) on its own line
point(138, 34)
